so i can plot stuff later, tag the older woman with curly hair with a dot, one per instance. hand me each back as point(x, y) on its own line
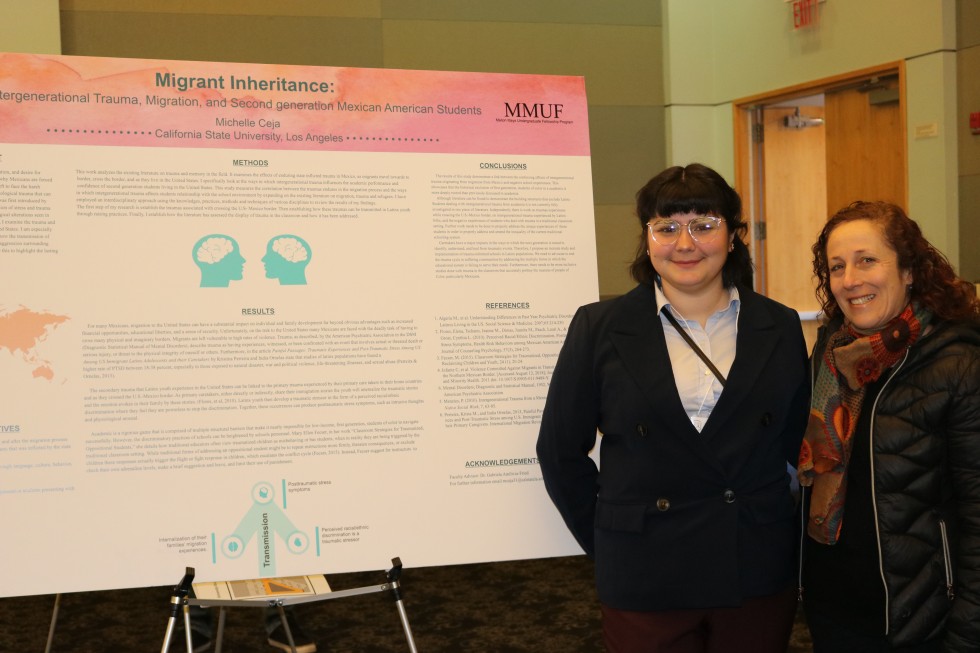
point(890, 463)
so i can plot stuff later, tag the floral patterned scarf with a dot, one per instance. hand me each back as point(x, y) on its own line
point(851, 360)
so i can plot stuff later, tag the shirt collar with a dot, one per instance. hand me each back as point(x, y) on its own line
point(662, 301)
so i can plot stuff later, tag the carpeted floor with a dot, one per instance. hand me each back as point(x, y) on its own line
point(505, 607)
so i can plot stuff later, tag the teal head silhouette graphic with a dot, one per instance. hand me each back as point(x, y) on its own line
point(220, 261)
point(286, 258)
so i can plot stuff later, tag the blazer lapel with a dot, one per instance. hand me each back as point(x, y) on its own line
point(754, 345)
point(638, 337)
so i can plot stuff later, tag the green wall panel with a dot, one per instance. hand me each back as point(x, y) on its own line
point(336, 8)
point(967, 23)
point(969, 191)
point(610, 12)
point(968, 144)
point(29, 27)
point(250, 39)
point(617, 233)
point(627, 149)
point(621, 65)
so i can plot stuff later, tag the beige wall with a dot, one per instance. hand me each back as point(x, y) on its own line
point(718, 51)
point(29, 26)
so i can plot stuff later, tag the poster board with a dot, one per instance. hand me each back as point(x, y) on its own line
point(278, 320)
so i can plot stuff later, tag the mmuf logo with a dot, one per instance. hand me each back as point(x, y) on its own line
point(539, 110)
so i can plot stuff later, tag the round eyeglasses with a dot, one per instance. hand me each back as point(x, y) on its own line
point(703, 229)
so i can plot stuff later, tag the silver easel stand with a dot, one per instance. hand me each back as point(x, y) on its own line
point(178, 603)
point(54, 622)
point(180, 599)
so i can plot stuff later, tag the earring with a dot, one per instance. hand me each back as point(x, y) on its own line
point(731, 247)
point(648, 252)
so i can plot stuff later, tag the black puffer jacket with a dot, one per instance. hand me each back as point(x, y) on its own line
point(925, 435)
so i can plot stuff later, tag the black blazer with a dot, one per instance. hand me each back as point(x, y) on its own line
point(676, 518)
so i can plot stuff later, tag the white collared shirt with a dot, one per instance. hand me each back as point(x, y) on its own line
point(696, 383)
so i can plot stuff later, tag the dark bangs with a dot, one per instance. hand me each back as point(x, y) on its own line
point(694, 189)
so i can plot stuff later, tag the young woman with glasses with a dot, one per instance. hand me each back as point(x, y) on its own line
point(698, 388)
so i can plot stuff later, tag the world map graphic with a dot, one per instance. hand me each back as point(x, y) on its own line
point(22, 331)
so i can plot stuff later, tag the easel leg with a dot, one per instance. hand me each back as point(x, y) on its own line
point(171, 624)
point(177, 600)
point(285, 626)
point(54, 621)
point(393, 575)
point(221, 629)
point(408, 629)
point(187, 629)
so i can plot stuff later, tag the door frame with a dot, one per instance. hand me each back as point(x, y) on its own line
point(748, 167)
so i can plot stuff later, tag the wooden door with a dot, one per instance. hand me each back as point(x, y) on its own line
point(795, 202)
point(866, 153)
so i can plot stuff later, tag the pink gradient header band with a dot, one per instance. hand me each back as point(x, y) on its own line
point(46, 99)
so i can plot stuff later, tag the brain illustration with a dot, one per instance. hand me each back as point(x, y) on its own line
point(290, 249)
point(213, 250)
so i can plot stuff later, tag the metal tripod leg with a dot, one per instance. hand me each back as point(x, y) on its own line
point(177, 605)
point(405, 626)
point(222, 611)
point(285, 626)
point(393, 575)
point(54, 621)
point(188, 637)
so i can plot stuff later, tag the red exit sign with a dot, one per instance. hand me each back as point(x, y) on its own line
point(805, 13)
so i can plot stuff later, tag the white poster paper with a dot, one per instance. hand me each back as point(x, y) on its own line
point(279, 320)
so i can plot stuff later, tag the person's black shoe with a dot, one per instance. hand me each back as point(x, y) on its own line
point(304, 643)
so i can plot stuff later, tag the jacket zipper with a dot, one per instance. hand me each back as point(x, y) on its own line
point(874, 499)
point(947, 560)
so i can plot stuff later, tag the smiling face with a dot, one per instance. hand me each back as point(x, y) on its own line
point(865, 278)
point(687, 266)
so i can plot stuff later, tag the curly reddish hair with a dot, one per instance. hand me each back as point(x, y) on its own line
point(934, 283)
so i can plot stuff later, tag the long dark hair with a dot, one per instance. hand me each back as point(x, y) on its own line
point(695, 188)
point(934, 283)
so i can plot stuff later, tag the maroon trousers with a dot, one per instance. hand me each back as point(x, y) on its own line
point(759, 625)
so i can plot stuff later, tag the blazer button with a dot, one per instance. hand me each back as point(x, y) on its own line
point(728, 496)
point(766, 419)
point(663, 505)
point(641, 430)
